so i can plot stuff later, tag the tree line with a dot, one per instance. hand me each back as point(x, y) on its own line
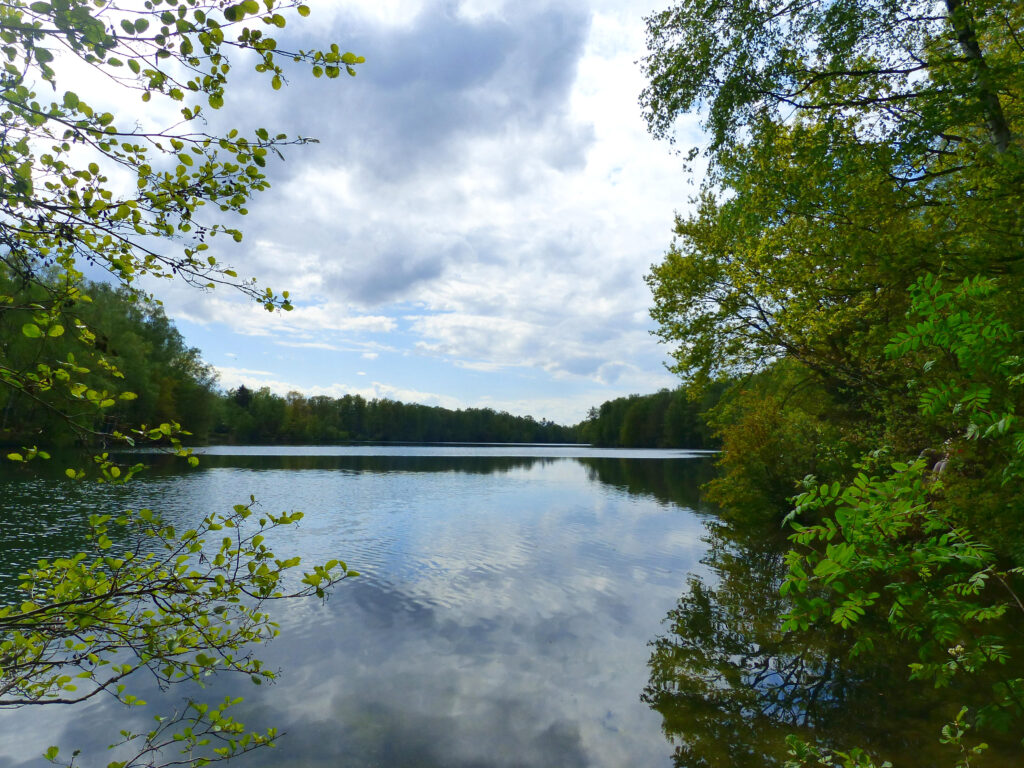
point(164, 380)
point(665, 419)
point(261, 416)
point(171, 383)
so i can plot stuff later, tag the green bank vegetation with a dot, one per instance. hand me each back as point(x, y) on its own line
point(854, 263)
point(665, 419)
point(261, 416)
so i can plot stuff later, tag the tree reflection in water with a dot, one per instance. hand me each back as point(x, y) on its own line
point(730, 686)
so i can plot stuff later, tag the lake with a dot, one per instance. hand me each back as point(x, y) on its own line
point(518, 606)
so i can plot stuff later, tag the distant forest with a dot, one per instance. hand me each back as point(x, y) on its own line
point(172, 383)
point(666, 419)
point(260, 416)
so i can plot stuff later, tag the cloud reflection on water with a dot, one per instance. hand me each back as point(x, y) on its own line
point(502, 619)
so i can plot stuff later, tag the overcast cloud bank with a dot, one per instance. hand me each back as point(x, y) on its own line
point(475, 222)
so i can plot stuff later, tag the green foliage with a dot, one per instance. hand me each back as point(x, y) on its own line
point(145, 597)
point(162, 380)
point(730, 683)
point(974, 374)
point(889, 543)
point(804, 755)
point(865, 163)
point(662, 420)
point(774, 428)
point(59, 203)
point(260, 416)
point(131, 198)
point(815, 215)
point(158, 378)
point(903, 72)
point(794, 261)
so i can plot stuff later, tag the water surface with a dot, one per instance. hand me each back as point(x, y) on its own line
point(502, 617)
point(524, 606)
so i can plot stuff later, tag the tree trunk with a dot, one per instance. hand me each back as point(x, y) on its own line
point(963, 25)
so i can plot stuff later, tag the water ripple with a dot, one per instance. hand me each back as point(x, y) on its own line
point(504, 606)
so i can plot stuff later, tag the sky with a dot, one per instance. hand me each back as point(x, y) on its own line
point(473, 227)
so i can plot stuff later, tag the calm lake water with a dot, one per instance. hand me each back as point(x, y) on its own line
point(518, 606)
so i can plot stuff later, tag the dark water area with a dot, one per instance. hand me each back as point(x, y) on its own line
point(518, 606)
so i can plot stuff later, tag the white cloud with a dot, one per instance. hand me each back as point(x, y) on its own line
point(391, 13)
point(232, 378)
point(250, 319)
point(309, 345)
point(485, 190)
point(245, 372)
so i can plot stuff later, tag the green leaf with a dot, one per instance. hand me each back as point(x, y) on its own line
point(31, 330)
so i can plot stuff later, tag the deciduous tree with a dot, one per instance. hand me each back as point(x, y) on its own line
point(865, 155)
point(111, 187)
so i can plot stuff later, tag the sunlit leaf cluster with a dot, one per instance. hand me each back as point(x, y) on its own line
point(142, 596)
point(90, 179)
